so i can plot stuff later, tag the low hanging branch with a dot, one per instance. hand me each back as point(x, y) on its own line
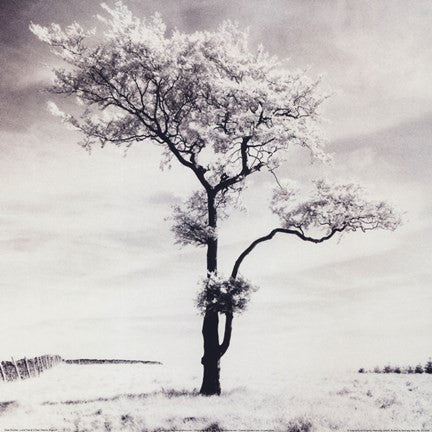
point(331, 208)
point(269, 236)
point(229, 316)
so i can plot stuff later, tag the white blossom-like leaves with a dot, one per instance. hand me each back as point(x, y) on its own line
point(332, 207)
point(191, 221)
point(190, 92)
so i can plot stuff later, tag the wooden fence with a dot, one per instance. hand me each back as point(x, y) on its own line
point(27, 367)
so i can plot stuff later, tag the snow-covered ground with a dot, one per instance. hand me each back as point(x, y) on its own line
point(151, 397)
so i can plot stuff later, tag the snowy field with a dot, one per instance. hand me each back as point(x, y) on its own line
point(152, 397)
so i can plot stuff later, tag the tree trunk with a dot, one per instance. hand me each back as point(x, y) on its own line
point(212, 243)
point(210, 360)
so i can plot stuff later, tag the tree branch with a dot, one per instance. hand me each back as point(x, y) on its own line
point(227, 334)
point(272, 233)
point(196, 168)
point(245, 170)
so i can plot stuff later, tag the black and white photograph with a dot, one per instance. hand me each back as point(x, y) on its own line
point(216, 215)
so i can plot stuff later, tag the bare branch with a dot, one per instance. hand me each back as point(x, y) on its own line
point(272, 233)
point(227, 334)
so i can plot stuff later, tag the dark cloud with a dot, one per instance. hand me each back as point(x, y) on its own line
point(20, 108)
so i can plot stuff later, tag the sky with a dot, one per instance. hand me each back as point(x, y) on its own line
point(87, 261)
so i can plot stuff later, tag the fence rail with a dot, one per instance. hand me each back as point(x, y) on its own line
point(27, 367)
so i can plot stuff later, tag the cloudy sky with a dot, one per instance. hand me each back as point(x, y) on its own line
point(87, 262)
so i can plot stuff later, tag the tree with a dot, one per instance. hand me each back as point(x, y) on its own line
point(222, 111)
point(428, 367)
point(419, 369)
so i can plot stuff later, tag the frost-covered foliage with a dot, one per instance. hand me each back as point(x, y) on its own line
point(210, 100)
point(191, 221)
point(224, 295)
point(331, 207)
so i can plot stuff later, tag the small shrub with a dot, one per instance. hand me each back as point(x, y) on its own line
point(410, 370)
point(419, 369)
point(299, 424)
point(397, 370)
point(387, 369)
point(377, 369)
point(5, 405)
point(428, 367)
point(213, 427)
point(126, 418)
point(361, 370)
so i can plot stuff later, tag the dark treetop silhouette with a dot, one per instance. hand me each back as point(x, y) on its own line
point(222, 111)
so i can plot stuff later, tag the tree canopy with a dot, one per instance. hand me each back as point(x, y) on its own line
point(218, 107)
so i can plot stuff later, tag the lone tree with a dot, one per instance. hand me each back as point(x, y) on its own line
point(219, 109)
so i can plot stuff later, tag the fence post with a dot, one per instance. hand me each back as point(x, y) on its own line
point(35, 368)
point(16, 368)
point(27, 366)
point(3, 373)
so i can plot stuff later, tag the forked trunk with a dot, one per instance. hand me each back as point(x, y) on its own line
point(212, 350)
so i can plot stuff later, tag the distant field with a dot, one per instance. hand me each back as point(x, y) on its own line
point(137, 397)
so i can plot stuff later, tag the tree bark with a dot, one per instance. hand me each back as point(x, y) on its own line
point(212, 243)
point(211, 358)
